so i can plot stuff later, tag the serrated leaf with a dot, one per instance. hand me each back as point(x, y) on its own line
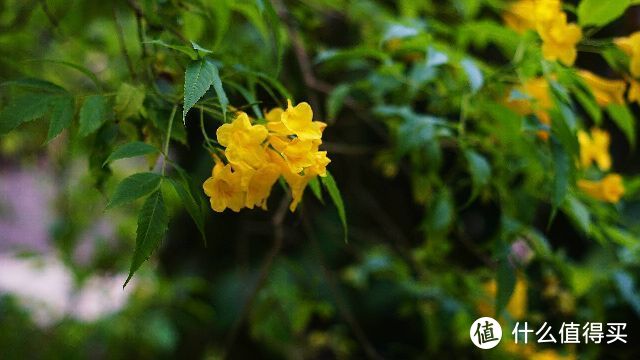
point(132, 149)
point(23, 109)
point(62, 109)
point(314, 185)
point(335, 101)
point(129, 100)
point(622, 116)
point(152, 225)
point(134, 187)
point(600, 12)
point(198, 78)
point(93, 114)
point(190, 204)
point(331, 186)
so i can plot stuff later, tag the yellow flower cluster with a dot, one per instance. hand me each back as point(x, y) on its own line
point(539, 102)
point(559, 38)
point(594, 148)
point(258, 154)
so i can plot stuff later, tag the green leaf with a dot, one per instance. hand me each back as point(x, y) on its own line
point(180, 48)
point(479, 169)
point(579, 213)
point(476, 79)
point(621, 115)
point(23, 109)
point(199, 49)
point(441, 212)
point(129, 100)
point(198, 78)
point(600, 12)
point(134, 187)
point(562, 173)
point(35, 85)
point(195, 211)
point(331, 186)
point(93, 113)
point(152, 225)
point(506, 281)
point(62, 109)
point(335, 100)
point(132, 149)
point(314, 185)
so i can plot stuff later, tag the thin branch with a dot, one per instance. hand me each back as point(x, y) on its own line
point(278, 237)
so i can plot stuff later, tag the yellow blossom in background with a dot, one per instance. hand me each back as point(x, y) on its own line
point(609, 189)
point(594, 148)
point(631, 46)
point(549, 354)
point(517, 306)
point(605, 91)
point(520, 15)
point(546, 11)
point(540, 102)
point(634, 91)
point(559, 39)
point(257, 155)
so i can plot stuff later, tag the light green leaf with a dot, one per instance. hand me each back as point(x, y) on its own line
point(152, 225)
point(314, 185)
point(132, 149)
point(129, 100)
point(190, 204)
point(200, 49)
point(621, 115)
point(93, 113)
point(62, 109)
point(23, 109)
point(217, 87)
point(180, 48)
point(579, 213)
point(331, 186)
point(134, 187)
point(600, 12)
point(476, 79)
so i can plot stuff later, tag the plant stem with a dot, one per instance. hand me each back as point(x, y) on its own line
point(165, 149)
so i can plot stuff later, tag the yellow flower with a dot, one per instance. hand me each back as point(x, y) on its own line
point(517, 306)
point(243, 142)
point(634, 91)
point(594, 148)
point(297, 153)
point(606, 91)
point(224, 188)
point(609, 189)
point(260, 184)
point(540, 102)
point(299, 121)
point(274, 122)
point(559, 39)
point(520, 15)
point(546, 11)
point(631, 46)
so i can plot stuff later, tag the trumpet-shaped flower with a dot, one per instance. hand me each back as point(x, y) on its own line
point(594, 148)
point(609, 189)
point(631, 46)
point(224, 189)
point(559, 39)
point(260, 184)
point(299, 121)
point(243, 141)
point(606, 91)
point(520, 15)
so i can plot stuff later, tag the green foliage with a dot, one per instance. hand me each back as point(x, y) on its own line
point(134, 187)
point(599, 13)
point(132, 149)
point(93, 113)
point(334, 193)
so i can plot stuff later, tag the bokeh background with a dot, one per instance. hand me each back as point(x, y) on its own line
point(425, 249)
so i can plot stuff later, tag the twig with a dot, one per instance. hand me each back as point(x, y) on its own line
point(344, 310)
point(123, 45)
point(278, 236)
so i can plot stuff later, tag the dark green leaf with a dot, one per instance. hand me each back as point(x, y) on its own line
point(600, 12)
point(35, 85)
point(93, 114)
point(23, 109)
point(198, 78)
point(479, 169)
point(62, 109)
point(132, 149)
point(331, 186)
point(314, 185)
point(562, 173)
point(134, 187)
point(621, 115)
point(152, 225)
point(335, 101)
point(217, 87)
point(506, 281)
point(190, 204)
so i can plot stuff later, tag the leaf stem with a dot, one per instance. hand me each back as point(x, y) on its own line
point(165, 149)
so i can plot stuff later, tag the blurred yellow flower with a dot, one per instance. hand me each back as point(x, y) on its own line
point(609, 189)
point(594, 148)
point(605, 91)
point(559, 39)
point(549, 354)
point(631, 46)
point(634, 91)
point(546, 11)
point(520, 15)
point(540, 102)
point(517, 306)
